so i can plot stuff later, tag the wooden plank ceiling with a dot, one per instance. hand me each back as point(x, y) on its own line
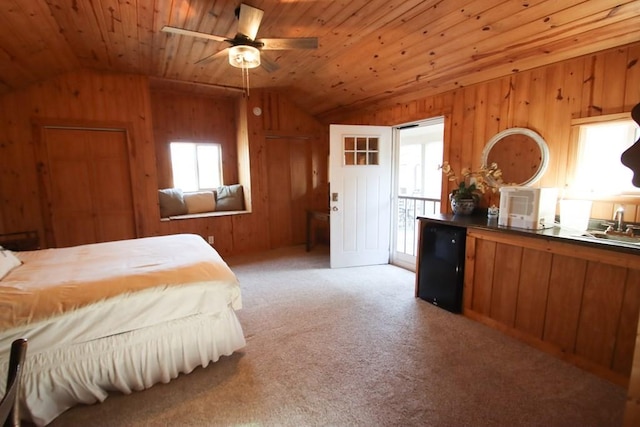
point(369, 50)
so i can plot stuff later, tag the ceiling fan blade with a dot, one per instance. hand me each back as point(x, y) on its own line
point(183, 32)
point(219, 54)
point(249, 20)
point(289, 43)
point(269, 65)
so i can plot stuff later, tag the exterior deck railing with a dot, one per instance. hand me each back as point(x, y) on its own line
point(410, 207)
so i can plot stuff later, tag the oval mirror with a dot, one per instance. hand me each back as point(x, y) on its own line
point(520, 153)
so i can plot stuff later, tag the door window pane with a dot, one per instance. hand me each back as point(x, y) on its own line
point(361, 150)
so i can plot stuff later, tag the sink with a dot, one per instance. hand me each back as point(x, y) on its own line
point(613, 237)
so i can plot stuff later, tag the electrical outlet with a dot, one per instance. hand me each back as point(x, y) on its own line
point(210, 240)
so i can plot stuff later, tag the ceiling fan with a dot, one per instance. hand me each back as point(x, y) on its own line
point(244, 51)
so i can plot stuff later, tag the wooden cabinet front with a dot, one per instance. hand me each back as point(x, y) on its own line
point(576, 302)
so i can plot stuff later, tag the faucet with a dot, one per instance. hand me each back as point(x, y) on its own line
point(618, 218)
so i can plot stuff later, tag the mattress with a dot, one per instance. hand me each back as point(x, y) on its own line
point(55, 281)
point(116, 316)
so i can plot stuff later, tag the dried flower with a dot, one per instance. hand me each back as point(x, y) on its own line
point(472, 184)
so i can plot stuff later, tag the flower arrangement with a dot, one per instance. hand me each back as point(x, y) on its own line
point(487, 177)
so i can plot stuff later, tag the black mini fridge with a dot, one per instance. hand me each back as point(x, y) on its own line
point(441, 265)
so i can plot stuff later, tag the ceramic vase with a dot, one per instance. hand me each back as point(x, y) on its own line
point(462, 206)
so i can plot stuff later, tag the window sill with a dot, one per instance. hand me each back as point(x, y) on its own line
point(204, 215)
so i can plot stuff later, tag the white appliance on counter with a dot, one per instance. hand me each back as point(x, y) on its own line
point(526, 207)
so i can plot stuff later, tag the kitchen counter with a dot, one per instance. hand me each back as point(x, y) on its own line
point(572, 296)
point(480, 221)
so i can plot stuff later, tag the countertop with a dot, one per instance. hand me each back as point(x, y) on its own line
point(480, 221)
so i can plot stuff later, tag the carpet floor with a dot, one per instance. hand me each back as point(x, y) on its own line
point(353, 347)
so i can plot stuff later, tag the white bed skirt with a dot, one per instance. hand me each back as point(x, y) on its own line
point(54, 381)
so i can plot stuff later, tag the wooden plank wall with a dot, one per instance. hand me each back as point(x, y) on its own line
point(183, 116)
point(82, 98)
point(280, 121)
point(543, 99)
point(88, 98)
point(286, 179)
point(280, 133)
point(179, 116)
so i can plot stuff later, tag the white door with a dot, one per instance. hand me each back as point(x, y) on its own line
point(360, 194)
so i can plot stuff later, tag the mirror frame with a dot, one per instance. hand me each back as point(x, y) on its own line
point(542, 144)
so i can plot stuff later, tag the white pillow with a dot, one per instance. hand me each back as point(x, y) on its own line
point(200, 201)
point(8, 261)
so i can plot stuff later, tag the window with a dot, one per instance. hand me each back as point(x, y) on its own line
point(196, 166)
point(420, 156)
point(360, 150)
point(598, 169)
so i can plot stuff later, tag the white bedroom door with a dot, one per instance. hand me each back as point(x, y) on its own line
point(360, 195)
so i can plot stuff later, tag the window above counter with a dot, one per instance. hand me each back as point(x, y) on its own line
point(595, 170)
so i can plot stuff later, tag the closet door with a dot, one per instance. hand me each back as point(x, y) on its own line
point(289, 178)
point(87, 186)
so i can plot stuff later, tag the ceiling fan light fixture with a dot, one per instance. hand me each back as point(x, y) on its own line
point(243, 56)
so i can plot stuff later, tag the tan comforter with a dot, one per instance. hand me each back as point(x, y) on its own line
point(54, 281)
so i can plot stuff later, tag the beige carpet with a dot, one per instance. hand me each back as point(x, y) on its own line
point(353, 347)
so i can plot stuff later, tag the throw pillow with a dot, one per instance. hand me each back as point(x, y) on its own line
point(8, 261)
point(230, 198)
point(171, 202)
point(200, 201)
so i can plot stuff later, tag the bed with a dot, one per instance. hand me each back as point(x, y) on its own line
point(115, 316)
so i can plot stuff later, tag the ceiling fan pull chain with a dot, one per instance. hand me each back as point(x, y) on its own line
point(245, 79)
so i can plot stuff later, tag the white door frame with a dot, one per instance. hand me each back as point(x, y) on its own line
point(401, 259)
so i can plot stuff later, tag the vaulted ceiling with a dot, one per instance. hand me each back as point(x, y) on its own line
point(370, 51)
